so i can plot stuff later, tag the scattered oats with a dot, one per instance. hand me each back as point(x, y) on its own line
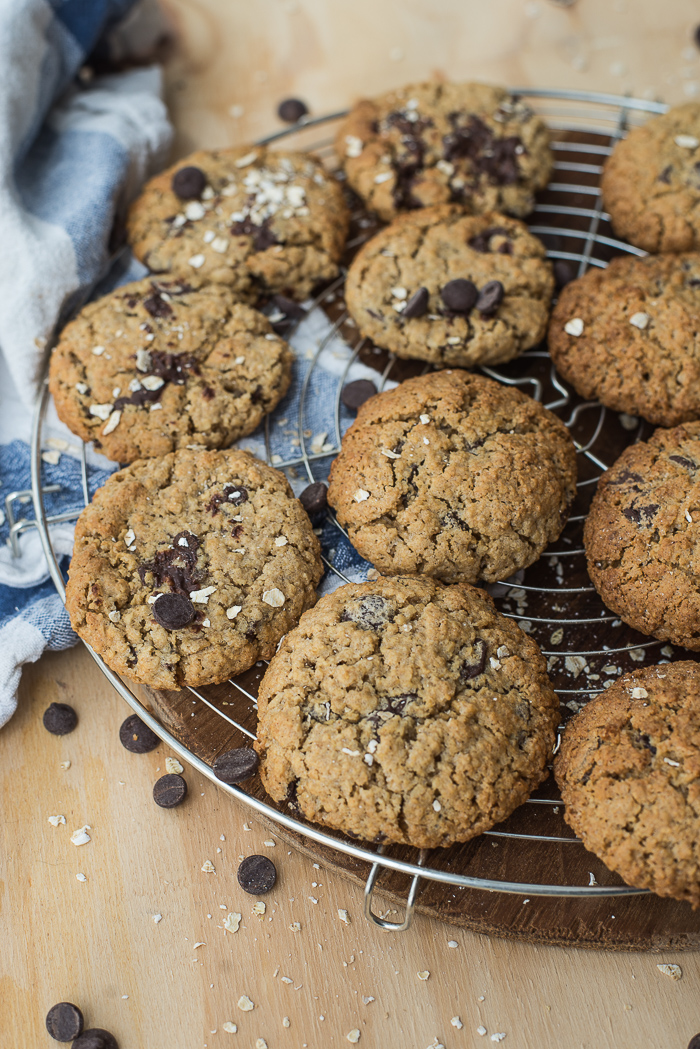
point(345, 919)
point(637, 654)
point(152, 382)
point(81, 877)
point(208, 867)
point(456, 1022)
point(101, 411)
point(55, 820)
point(639, 693)
point(286, 1021)
point(628, 422)
point(196, 945)
point(286, 979)
point(245, 1004)
point(454, 340)
point(388, 454)
point(494, 663)
point(688, 517)
point(157, 918)
point(247, 160)
point(229, 1027)
point(557, 636)
point(143, 360)
point(667, 651)
point(82, 387)
point(687, 141)
point(353, 1036)
point(675, 764)
point(353, 146)
point(260, 1043)
point(498, 1037)
point(194, 211)
point(208, 236)
point(273, 597)
point(574, 327)
point(172, 765)
point(65, 765)
point(352, 753)
point(114, 615)
point(423, 975)
point(52, 458)
point(259, 909)
point(575, 664)
point(639, 320)
point(98, 350)
point(81, 836)
point(383, 176)
point(232, 921)
point(452, 943)
point(313, 899)
point(232, 612)
point(207, 622)
point(202, 596)
point(372, 574)
point(591, 879)
point(112, 423)
point(557, 744)
point(674, 971)
point(481, 1030)
point(295, 927)
point(426, 440)
point(399, 292)
point(437, 806)
point(239, 360)
point(360, 495)
point(196, 261)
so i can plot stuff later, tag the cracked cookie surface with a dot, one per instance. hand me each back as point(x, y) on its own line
point(651, 182)
point(454, 476)
point(157, 365)
point(405, 711)
point(638, 350)
point(258, 220)
point(190, 567)
point(452, 288)
point(642, 536)
point(433, 143)
point(629, 773)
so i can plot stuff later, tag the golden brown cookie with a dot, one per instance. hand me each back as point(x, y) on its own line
point(651, 182)
point(642, 536)
point(452, 288)
point(629, 773)
point(454, 476)
point(629, 336)
point(190, 567)
point(258, 220)
point(405, 711)
point(158, 365)
point(433, 143)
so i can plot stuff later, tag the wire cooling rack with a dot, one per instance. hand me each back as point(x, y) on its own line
point(586, 646)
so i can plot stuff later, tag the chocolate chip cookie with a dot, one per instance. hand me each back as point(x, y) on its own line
point(258, 220)
point(452, 288)
point(405, 711)
point(454, 476)
point(629, 768)
point(629, 336)
point(642, 536)
point(651, 182)
point(158, 365)
point(433, 143)
point(190, 567)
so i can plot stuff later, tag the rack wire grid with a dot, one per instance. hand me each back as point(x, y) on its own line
point(553, 600)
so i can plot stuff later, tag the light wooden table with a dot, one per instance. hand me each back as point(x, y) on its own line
point(94, 941)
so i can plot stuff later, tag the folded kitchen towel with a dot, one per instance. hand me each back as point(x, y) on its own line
point(73, 152)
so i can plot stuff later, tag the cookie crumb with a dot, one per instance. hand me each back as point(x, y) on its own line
point(172, 765)
point(295, 927)
point(208, 867)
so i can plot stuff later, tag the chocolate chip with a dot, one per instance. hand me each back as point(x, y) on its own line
point(235, 494)
point(495, 158)
point(291, 110)
point(293, 311)
point(397, 704)
point(257, 875)
point(416, 305)
point(157, 306)
point(460, 295)
point(564, 272)
point(233, 766)
point(682, 461)
point(482, 241)
point(354, 394)
point(95, 1038)
point(696, 38)
point(665, 175)
point(60, 719)
point(169, 791)
point(188, 183)
point(473, 667)
point(314, 498)
point(173, 611)
point(137, 737)
point(636, 513)
point(490, 298)
point(64, 1021)
point(370, 613)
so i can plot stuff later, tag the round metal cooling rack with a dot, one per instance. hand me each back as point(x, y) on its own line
point(587, 647)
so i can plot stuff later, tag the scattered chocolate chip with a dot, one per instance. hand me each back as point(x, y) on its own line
point(471, 668)
point(354, 394)
point(236, 765)
point(291, 110)
point(564, 272)
point(169, 791)
point(314, 498)
point(257, 875)
point(60, 719)
point(369, 613)
point(694, 1042)
point(137, 737)
point(188, 183)
point(490, 298)
point(460, 295)
point(64, 1021)
point(173, 611)
point(417, 305)
point(95, 1038)
point(696, 38)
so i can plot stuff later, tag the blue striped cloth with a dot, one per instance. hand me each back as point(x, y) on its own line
point(72, 156)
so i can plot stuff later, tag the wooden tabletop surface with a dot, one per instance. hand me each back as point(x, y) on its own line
point(176, 983)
